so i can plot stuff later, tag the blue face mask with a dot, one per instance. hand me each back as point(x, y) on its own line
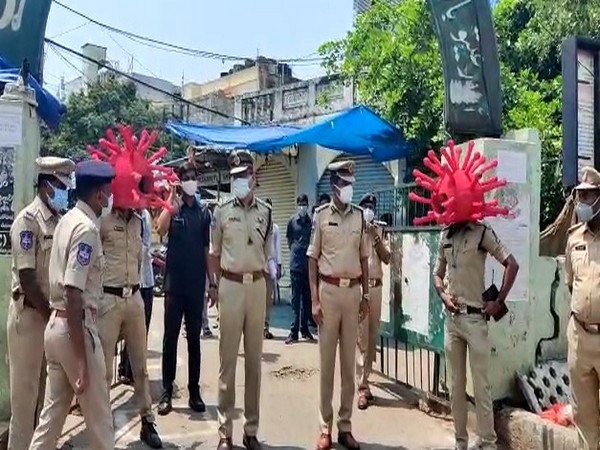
point(60, 200)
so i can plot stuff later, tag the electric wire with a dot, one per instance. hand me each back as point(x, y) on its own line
point(181, 49)
point(140, 82)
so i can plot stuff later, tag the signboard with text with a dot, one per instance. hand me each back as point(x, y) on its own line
point(473, 96)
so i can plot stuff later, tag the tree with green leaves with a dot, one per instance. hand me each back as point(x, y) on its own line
point(100, 106)
point(393, 57)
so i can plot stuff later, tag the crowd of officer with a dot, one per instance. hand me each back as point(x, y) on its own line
point(76, 290)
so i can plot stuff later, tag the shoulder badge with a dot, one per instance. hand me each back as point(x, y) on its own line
point(263, 203)
point(321, 208)
point(26, 239)
point(84, 253)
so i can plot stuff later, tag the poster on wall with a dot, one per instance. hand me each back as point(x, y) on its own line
point(416, 280)
point(7, 182)
point(512, 230)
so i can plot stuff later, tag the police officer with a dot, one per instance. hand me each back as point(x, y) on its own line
point(338, 265)
point(121, 310)
point(31, 238)
point(461, 255)
point(73, 350)
point(240, 247)
point(186, 270)
point(368, 330)
point(582, 262)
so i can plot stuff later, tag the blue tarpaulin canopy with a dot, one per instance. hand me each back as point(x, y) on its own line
point(358, 131)
point(50, 109)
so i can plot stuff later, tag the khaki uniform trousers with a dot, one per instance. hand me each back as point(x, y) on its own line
point(126, 317)
point(583, 360)
point(62, 375)
point(368, 334)
point(241, 311)
point(25, 333)
point(470, 331)
point(340, 306)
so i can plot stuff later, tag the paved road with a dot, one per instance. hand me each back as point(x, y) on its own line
point(289, 403)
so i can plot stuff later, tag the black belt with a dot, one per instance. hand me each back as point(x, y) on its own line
point(122, 292)
point(16, 295)
point(466, 309)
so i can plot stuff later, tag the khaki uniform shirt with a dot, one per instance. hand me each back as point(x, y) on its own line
point(122, 244)
point(461, 260)
point(242, 237)
point(76, 259)
point(582, 272)
point(31, 240)
point(375, 267)
point(339, 241)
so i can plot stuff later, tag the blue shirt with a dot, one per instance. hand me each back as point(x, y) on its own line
point(298, 238)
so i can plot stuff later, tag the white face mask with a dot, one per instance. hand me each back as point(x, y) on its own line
point(369, 214)
point(189, 187)
point(108, 208)
point(240, 187)
point(346, 194)
point(302, 210)
point(585, 212)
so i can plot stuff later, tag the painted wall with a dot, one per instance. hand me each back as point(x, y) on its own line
point(25, 155)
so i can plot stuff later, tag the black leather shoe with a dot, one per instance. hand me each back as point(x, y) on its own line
point(225, 444)
point(196, 403)
point(164, 405)
point(347, 441)
point(251, 443)
point(149, 435)
point(307, 336)
point(268, 334)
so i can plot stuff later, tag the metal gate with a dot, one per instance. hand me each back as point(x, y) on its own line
point(411, 348)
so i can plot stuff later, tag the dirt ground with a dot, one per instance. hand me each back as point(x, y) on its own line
point(289, 403)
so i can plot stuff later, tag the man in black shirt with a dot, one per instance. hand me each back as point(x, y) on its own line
point(298, 238)
point(187, 253)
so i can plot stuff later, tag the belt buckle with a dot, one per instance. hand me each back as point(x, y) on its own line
point(462, 309)
point(248, 278)
point(127, 292)
point(344, 282)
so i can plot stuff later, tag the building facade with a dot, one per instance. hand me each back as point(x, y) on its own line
point(303, 169)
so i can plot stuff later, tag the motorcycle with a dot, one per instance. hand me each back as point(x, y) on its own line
point(159, 263)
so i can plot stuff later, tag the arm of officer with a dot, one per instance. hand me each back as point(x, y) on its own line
point(364, 257)
point(23, 235)
point(163, 222)
point(214, 251)
point(439, 270)
point(382, 248)
point(494, 247)
point(269, 246)
point(313, 253)
point(568, 267)
point(82, 252)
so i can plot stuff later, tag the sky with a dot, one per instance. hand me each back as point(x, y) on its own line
point(272, 28)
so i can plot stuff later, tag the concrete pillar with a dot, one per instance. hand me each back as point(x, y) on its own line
point(19, 146)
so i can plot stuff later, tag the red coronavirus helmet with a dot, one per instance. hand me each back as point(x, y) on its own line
point(134, 186)
point(458, 191)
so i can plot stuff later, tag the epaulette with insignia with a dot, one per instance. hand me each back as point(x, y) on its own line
point(321, 208)
point(227, 202)
point(263, 203)
point(29, 215)
point(575, 227)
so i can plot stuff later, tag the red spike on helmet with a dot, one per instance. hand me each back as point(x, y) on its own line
point(457, 194)
point(134, 185)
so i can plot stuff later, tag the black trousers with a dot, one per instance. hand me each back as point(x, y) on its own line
point(177, 307)
point(301, 303)
point(148, 298)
